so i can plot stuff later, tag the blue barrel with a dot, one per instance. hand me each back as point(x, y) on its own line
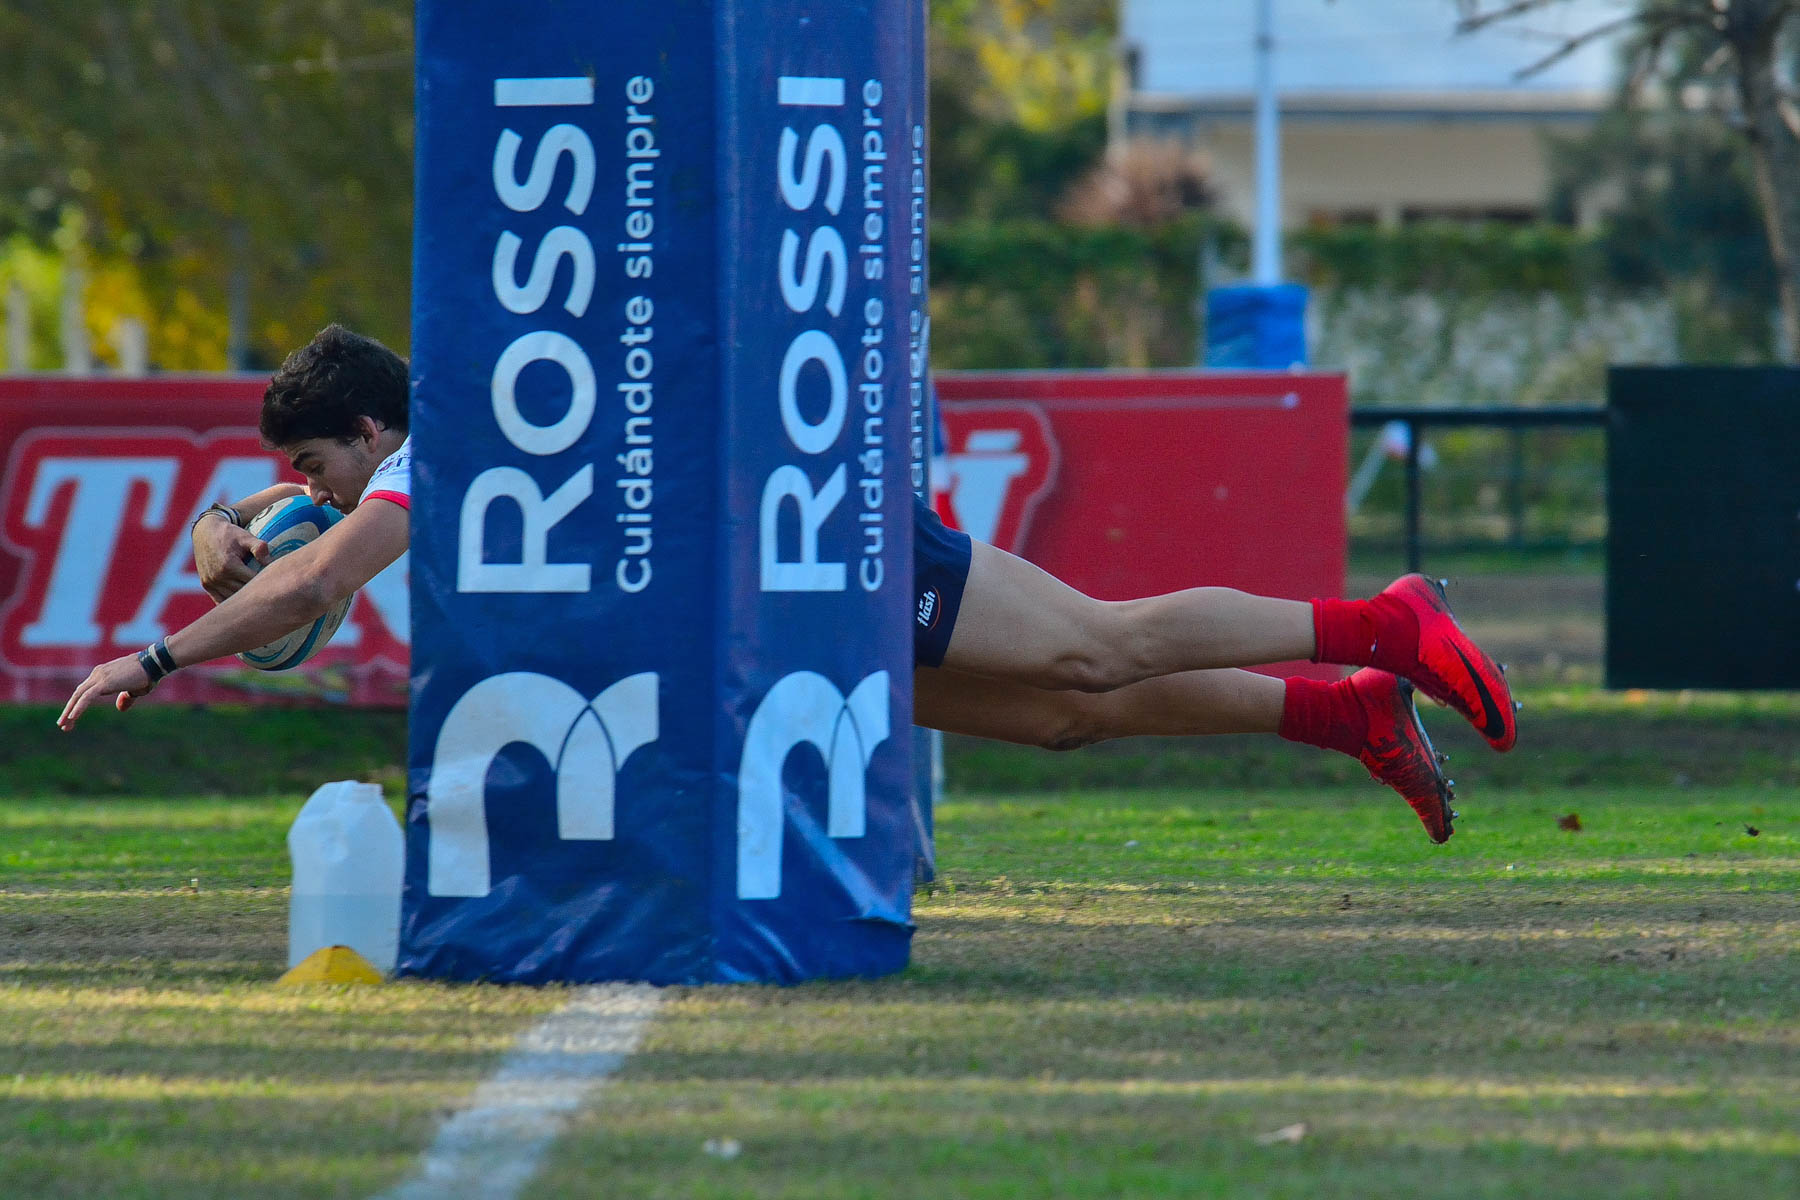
point(1256, 328)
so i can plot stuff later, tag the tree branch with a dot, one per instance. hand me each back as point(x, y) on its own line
point(1659, 21)
point(1571, 45)
point(1473, 18)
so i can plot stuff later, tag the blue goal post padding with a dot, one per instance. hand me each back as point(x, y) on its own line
point(668, 404)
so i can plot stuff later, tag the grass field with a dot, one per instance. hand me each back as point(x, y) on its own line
point(1255, 979)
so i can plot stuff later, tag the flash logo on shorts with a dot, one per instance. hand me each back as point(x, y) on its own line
point(928, 608)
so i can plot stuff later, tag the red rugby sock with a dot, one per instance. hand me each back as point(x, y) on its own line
point(1378, 632)
point(1316, 713)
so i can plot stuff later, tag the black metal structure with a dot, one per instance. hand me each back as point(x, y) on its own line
point(1417, 420)
point(1703, 541)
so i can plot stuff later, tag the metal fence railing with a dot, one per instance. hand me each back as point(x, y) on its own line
point(1509, 478)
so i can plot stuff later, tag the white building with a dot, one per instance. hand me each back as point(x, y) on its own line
point(1387, 114)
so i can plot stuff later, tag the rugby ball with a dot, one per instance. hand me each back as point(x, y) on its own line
point(286, 526)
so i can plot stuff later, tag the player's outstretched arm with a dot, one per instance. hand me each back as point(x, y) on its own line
point(292, 591)
point(298, 587)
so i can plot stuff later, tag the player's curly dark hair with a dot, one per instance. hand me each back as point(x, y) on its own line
point(324, 386)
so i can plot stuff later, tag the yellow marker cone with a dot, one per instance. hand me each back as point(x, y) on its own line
point(331, 964)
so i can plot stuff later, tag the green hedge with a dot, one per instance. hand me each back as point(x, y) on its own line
point(1476, 259)
point(1039, 294)
point(1432, 314)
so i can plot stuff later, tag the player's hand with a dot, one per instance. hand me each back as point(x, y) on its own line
point(223, 554)
point(122, 678)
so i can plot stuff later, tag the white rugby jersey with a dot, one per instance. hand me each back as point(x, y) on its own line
point(392, 479)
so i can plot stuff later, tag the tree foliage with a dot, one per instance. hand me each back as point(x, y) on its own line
point(186, 139)
point(1735, 58)
point(1018, 92)
point(197, 138)
point(1683, 221)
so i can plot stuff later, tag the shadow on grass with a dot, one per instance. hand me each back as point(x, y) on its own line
point(1135, 1043)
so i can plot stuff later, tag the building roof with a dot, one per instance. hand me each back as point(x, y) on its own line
point(1369, 54)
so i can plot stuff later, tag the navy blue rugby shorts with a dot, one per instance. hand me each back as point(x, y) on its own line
point(940, 572)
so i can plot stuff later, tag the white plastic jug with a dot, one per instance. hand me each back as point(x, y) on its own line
point(349, 859)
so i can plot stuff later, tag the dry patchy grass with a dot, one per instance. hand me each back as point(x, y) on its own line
point(1113, 994)
point(1146, 995)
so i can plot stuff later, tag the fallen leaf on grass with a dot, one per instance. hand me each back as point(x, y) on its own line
point(1572, 823)
point(1287, 1133)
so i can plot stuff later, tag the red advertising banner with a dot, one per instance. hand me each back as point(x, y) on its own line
point(1133, 484)
point(99, 482)
point(1122, 484)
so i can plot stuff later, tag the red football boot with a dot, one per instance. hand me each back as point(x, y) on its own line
point(1397, 752)
point(1444, 662)
point(1407, 630)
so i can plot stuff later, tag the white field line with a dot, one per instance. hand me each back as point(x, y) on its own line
point(489, 1149)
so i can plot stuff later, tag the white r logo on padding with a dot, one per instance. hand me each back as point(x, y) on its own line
point(586, 742)
point(805, 707)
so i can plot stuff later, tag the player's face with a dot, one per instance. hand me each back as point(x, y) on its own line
point(336, 471)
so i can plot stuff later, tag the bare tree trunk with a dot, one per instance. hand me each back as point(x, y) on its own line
point(1752, 26)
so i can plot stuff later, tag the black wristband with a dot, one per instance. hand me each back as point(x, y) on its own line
point(159, 650)
point(224, 510)
point(156, 660)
